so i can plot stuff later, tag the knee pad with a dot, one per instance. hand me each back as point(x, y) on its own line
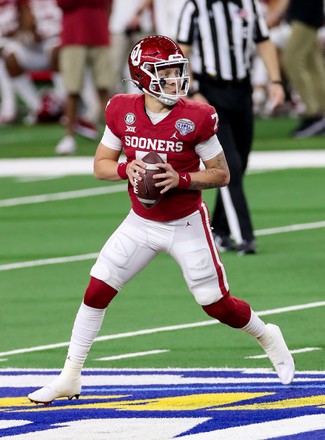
point(206, 281)
point(114, 262)
point(204, 295)
point(230, 310)
point(98, 294)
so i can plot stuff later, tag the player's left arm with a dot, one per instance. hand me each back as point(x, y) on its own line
point(216, 174)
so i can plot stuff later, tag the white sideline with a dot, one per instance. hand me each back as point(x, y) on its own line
point(83, 165)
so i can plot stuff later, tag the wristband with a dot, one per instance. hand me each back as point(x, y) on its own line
point(184, 180)
point(121, 170)
point(277, 82)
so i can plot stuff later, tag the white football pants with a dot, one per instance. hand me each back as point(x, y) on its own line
point(188, 240)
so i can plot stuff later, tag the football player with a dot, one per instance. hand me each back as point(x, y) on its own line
point(183, 133)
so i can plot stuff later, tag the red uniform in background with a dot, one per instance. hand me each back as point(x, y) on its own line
point(84, 51)
point(85, 22)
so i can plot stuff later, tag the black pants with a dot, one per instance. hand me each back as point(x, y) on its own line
point(233, 102)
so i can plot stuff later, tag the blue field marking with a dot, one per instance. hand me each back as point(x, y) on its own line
point(203, 402)
point(315, 435)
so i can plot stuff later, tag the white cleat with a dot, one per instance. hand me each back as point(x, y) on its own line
point(67, 384)
point(275, 347)
point(66, 146)
point(60, 387)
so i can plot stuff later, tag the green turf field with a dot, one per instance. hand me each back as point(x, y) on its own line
point(39, 301)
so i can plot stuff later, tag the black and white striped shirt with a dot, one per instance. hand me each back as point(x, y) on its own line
point(222, 34)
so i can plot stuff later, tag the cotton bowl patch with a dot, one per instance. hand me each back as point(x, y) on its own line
point(166, 404)
point(185, 126)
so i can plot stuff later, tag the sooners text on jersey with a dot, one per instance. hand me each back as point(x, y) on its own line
point(174, 139)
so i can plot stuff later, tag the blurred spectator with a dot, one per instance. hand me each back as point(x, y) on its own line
point(85, 44)
point(130, 21)
point(279, 34)
point(88, 108)
point(303, 62)
point(34, 48)
point(9, 26)
point(166, 16)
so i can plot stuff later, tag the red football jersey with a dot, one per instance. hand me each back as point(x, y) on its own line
point(85, 22)
point(174, 139)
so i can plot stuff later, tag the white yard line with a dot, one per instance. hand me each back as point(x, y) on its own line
point(302, 350)
point(162, 329)
point(91, 256)
point(131, 355)
point(66, 195)
point(47, 261)
point(290, 228)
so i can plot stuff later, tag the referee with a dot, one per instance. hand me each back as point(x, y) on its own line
point(220, 37)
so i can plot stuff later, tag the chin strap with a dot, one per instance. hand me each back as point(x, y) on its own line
point(162, 98)
point(165, 100)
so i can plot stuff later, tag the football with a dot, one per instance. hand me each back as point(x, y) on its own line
point(145, 190)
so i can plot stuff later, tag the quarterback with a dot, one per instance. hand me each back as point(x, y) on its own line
point(182, 132)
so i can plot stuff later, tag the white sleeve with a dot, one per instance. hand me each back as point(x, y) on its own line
point(110, 140)
point(209, 149)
